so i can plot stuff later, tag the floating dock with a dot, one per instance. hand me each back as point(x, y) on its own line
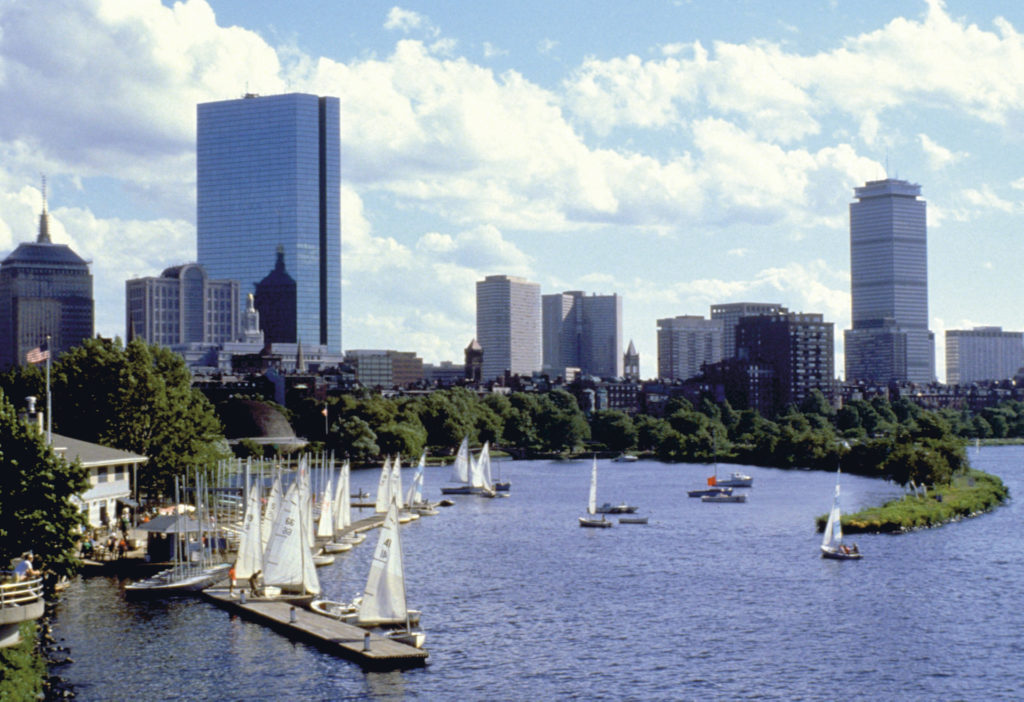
point(369, 650)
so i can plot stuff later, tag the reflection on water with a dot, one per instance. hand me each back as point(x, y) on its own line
point(708, 601)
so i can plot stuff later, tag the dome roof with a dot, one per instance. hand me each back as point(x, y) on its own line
point(245, 418)
point(36, 254)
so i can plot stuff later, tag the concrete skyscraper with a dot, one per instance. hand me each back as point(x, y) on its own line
point(890, 339)
point(983, 353)
point(45, 290)
point(508, 326)
point(584, 332)
point(182, 306)
point(269, 176)
point(685, 343)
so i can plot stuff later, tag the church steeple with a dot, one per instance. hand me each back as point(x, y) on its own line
point(44, 221)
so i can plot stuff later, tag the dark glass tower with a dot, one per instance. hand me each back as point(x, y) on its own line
point(269, 175)
point(890, 340)
point(275, 302)
point(45, 290)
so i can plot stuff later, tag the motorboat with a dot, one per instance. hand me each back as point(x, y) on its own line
point(713, 490)
point(737, 479)
point(625, 458)
point(724, 498)
point(632, 520)
point(621, 508)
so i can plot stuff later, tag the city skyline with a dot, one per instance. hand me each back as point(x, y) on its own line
point(678, 155)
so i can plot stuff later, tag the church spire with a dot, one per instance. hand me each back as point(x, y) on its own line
point(44, 221)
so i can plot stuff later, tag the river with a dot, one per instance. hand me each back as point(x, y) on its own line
point(707, 601)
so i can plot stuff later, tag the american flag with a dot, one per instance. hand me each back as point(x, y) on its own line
point(38, 354)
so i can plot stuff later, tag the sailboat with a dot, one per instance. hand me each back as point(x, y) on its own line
point(288, 559)
point(480, 473)
point(460, 472)
point(414, 498)
point(590, 520)
point(832, 542)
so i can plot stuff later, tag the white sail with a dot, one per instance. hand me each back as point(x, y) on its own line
point(415, 494)
point(336, 500)
point(383, 487)
point(395, 489)
point(592, 502)
point(480, 470)
point(288, 561)
point(273, 507)
point(460, 468)
point(833, 528)
point(310, 581)
point(325, 525)
point(250, 545)
point(345, 519)
point(384, 596)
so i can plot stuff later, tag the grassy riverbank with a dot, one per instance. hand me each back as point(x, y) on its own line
point(22, 668)
point(966, 495)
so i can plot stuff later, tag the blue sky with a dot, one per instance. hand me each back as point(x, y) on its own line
point(678, 153)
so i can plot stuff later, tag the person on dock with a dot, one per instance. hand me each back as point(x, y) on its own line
point(254, 581)
point(24, 569)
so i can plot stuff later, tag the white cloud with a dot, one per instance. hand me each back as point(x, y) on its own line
point(492, 51)
point(409, 21)
point(546, 46)
point(938, 156)
point(986, 198)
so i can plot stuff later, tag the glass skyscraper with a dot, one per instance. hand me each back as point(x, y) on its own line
point(269, 177)
point(890, 339)
point(584, 332)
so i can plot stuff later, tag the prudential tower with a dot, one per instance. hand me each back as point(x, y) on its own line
point(890, 340)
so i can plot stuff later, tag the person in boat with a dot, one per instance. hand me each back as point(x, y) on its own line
point(855, 549)
point(845, 549)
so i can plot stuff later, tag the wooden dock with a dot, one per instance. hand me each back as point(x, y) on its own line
point(371, 651)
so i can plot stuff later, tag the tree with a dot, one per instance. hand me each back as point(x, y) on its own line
point(36, 489)
point(138, 398)
point(354, 438)
point(614, 429)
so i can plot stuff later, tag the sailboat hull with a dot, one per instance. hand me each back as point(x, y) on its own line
point(594, 523)
point(457, 490)
point(839, 555)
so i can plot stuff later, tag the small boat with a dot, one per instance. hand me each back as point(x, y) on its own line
point(183, 579)
point(625, 458)
point(832, 545)
point(737, 479)
point(632, 520)
point(713, 490)
point(590, 520)
point(724, 498)
point(322, 559)
point(460, 472)
point(621, 508)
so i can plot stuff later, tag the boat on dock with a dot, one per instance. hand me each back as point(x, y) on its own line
point(591, 520)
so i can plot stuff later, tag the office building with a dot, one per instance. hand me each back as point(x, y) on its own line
point(890, 340)
point(508, 326)
point(796, 351)
point(45, 291)
point(268, 176)
point(275, 300)
point(732, 312)
point(182, 306)
point(685, 344)
point(385, 368)
point(983, 353)
point(584, 332)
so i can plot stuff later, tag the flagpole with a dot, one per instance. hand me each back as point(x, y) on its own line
point(49, 408)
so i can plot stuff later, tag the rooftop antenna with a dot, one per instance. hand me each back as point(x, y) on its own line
point(44, 220)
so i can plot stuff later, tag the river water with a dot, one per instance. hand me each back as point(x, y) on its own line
point(707, 601)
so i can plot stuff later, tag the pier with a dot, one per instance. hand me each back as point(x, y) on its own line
point(371, 651)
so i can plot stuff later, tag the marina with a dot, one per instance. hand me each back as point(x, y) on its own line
point(916, 619)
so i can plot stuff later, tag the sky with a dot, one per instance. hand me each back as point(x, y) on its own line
point(679, 153)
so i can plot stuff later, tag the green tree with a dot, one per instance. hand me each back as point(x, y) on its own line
point(36, 489)
point(614, 429)
point(354, 438)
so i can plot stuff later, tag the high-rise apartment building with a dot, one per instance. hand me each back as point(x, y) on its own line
point(731, 312)
point(983, 353)
point(890, 339)
point(45, 290)
point(796, 350)
point(508, 326)
point(182, 306)
point(269, 176)
point(685, 343)
point(584, 332)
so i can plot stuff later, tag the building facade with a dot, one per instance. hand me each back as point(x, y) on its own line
point(889, 340)
point(731, 312)
point(45, 291)
point(584, 332)
point(182, 306)
point(983, 354)
point(685, 344)
point(631, 363)
point(268, 176)
point(385, 368)
point(275, 300)
point(508, 326)
point(795, 350)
